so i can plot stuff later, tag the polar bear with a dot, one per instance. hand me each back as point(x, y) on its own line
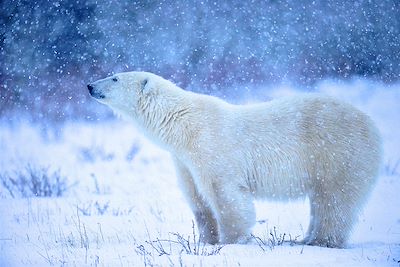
point(228, 155)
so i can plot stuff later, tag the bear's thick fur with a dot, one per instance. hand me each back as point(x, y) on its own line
point(228, 155)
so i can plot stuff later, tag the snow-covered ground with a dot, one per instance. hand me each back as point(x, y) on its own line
point(123, 196)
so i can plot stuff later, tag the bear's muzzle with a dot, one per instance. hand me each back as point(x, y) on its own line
point(94, 93)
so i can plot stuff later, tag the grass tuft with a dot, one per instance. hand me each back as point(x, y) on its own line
point(35, 182)
point(274, 239)
point(178, 244)
point(391, 168)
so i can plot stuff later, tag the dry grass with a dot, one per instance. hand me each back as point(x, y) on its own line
point(34, 182)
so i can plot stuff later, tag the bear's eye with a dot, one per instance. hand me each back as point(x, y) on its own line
point(143, 84)
point(115, 79)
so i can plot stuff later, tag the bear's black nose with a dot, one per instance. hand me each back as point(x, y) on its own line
point(90, 87)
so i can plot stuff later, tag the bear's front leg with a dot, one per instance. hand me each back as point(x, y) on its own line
point(207, 225)
point(205, 219)
point(235, 213)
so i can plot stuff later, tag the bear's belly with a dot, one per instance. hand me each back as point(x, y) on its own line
point(283, 184)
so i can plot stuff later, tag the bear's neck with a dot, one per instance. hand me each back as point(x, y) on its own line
point(169, 122)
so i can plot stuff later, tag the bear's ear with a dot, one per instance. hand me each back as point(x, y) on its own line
point(144, 85)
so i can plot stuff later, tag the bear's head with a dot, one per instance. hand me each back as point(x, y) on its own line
point(127, 92)
point(120, 88)
point(137, 95)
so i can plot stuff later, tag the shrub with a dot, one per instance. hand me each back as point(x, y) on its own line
point(178, 245)
point(274, 239)
point(35, 182)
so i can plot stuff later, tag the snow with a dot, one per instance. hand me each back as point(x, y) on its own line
point(124, 195)
point(123, 190)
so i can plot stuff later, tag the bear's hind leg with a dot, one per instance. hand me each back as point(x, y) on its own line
point(332, 218)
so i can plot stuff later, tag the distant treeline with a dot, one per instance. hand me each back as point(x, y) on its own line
point(49, 50)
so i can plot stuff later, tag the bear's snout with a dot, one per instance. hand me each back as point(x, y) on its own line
point(94, 93)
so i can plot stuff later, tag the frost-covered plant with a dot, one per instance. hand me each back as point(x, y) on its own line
point(34, 182)
point(274, 239)
point(391, 169)
point(189, 245)
point(94, 153)
point(95, 208)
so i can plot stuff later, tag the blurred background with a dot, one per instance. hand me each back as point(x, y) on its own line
point(50, 50)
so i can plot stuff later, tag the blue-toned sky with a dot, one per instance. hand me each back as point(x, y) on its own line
point(49, 50)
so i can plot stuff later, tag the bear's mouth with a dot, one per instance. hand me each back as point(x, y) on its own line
point(97, 95)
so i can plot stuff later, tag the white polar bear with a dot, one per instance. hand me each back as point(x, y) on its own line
point(228, 155)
